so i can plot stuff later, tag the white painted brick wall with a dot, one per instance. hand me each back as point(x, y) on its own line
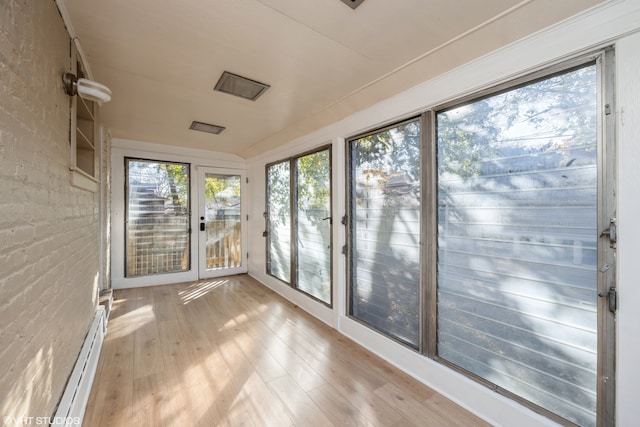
point(49, 234)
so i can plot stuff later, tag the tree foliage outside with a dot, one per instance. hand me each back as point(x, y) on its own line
point(222, 191)
point(169, 181)
point(540, 117)
point(313, 182)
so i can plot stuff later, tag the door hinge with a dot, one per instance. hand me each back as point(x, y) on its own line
point(607, 109)
point(612, 294)
point(344, 250)
point(246, 180)
point(343, 221)
point(247, 255)
point(247, 217)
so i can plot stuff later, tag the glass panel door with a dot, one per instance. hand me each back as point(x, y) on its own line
point(220, 224)
point(157, 218)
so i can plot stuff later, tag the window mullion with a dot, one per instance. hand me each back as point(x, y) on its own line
point(429, 236)
point(293, 181)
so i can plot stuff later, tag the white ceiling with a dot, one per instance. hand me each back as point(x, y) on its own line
point(323, 60)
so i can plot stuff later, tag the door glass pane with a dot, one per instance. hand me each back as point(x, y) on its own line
point(313, 224)
point(385, 231)
point(517, 250)
point(157, 223)
point(223, 248)
point(279, 221)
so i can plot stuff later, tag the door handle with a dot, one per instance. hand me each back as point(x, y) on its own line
point(202, 226)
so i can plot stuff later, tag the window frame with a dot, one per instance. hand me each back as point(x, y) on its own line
point(349, 227)
point(605, 390)
point(604, 58)
point(293, 208)
point(267, 224)
point(125, 261)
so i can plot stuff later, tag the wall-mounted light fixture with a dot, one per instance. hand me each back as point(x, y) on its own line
point(85, 88)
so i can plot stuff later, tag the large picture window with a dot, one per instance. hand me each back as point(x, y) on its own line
point(515, 286)
point(384, 212)
point(299, 223)
point(158, 222)
point(517, 260)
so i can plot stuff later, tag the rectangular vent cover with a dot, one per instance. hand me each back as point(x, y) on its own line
point(240, 86)
point(206, 127)
point(352, 3)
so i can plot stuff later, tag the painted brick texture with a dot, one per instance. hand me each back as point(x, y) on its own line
point(49, 234)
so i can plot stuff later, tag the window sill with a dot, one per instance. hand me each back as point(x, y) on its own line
point(83, 180)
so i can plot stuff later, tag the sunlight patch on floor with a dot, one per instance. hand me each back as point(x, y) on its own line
point(199, 289)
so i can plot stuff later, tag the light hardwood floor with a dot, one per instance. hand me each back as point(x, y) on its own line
point(226, 352)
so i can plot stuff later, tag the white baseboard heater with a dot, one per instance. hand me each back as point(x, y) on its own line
point(74, 399)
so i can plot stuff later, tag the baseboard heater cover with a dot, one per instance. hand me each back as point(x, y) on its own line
point(72, 405)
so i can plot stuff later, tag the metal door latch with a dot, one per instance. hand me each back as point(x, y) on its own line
point(612, 294)
point(612, 232)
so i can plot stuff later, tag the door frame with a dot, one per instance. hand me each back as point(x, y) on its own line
point(198, 257)
point(123, 148)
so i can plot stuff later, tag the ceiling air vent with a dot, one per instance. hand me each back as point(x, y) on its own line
point(240, 86)
point(352, 3)
point(206, 127)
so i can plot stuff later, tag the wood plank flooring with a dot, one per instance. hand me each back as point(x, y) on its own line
point(229, 351)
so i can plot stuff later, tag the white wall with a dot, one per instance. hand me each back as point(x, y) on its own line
point(613, 23)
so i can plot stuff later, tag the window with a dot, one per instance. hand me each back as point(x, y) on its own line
point(299, 223)
point(384, 212)
point(517, 260)
point(279, 221)
point(313, 224)
point(85, 139)
point(221, 245)
point(157, 217)
point(515, 282)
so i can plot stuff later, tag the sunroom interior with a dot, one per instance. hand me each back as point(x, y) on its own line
point(445, 189)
